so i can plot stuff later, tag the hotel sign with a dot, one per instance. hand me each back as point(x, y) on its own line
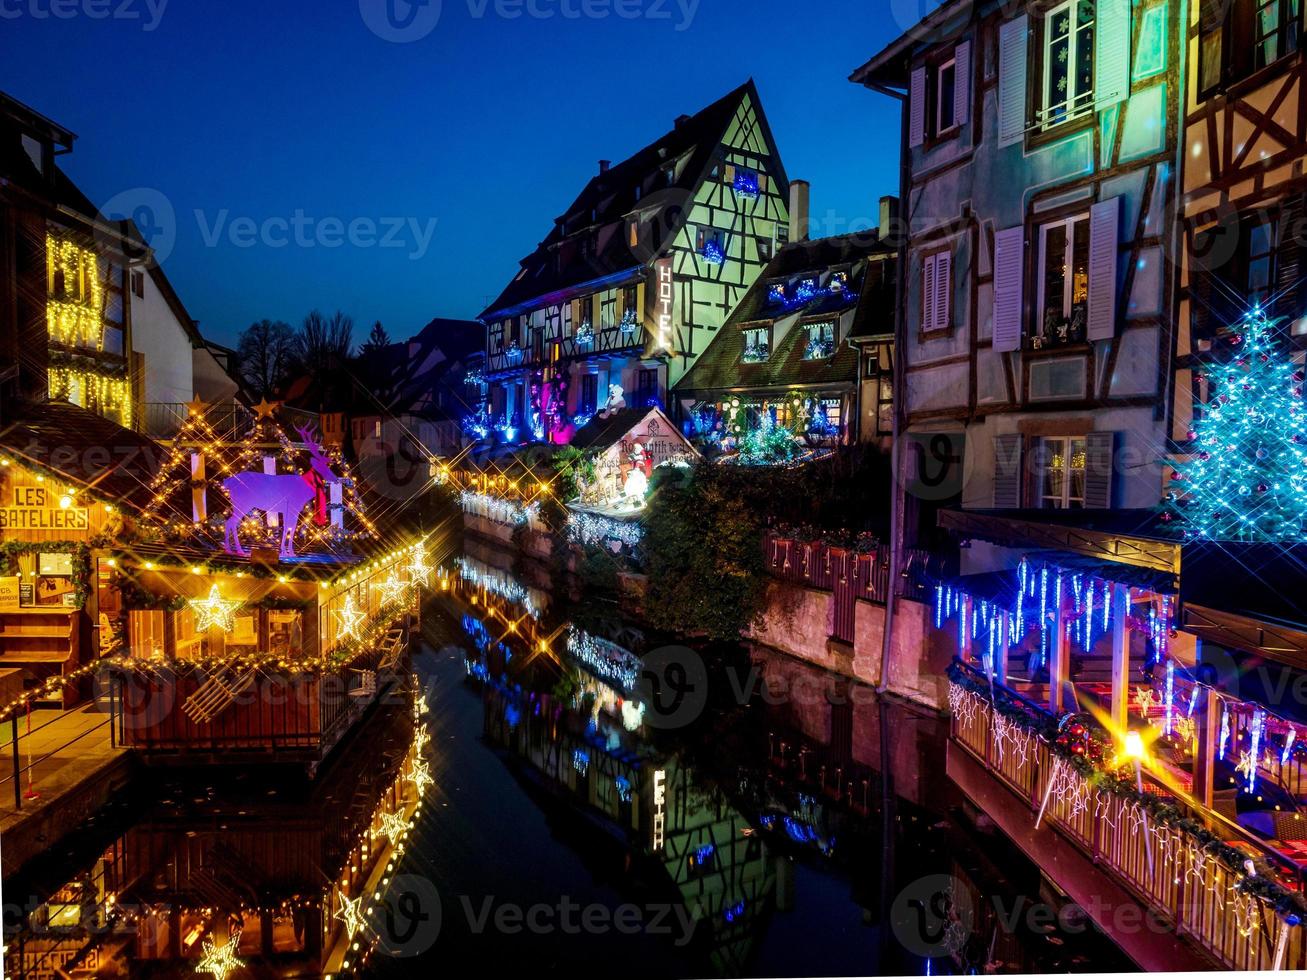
point(663, 312)
point(34, 509)
point(659, 809)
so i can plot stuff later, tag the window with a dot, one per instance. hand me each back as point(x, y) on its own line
point(942, 91)
point(138, 284)
point(764, 249)
point(1239, 38)
point(1061, 471)
point(589, 394)
point(757, 345)
point(1063, 301)
point(711, 244)
point(1257, 244)
point(1068, 62)
point(633, 234)
point(646, 392)
point(936, 291)
point(821, 341)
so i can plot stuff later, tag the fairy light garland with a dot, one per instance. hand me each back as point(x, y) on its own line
point(96, 390)
point(75, 309)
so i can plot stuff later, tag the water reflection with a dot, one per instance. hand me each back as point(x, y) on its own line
point(247, 870)
point(793, 819)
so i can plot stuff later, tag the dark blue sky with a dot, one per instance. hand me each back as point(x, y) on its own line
point(253, 112)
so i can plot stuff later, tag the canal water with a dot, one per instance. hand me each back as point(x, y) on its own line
point(599, 797)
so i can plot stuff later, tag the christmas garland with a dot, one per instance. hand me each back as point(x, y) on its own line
point(1289, 904)
point(135, 597)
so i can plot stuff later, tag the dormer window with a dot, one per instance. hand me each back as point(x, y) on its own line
point(839, 282)
point(821, 341)
point(776, 293)
point(757, 345)
point(806, 289)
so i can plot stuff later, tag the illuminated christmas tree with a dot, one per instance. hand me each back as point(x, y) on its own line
point(1246, 478)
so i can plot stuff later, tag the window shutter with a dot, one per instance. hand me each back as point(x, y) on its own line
point(1012, 81)
point(1289, 260)
point(917, 108)
point(1103, 219)
point(1007, 470)
point(1100, 447)
point(961, 82)
point(1111, 53)
point(928, 294)
point(943, 289)
point(1009, 259)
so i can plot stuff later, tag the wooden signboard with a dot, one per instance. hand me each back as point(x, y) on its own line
point(9, 591)
point(36, 508)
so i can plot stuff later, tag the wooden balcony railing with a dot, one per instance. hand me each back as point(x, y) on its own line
point(1167, 866)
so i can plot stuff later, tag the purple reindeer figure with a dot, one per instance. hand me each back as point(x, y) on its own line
point(284, 494)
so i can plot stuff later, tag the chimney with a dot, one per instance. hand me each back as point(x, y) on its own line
point(680, 121)
point(889, 219)
point(604, 165)
point(798, 210)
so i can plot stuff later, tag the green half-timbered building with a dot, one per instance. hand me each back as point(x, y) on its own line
point(637, 275)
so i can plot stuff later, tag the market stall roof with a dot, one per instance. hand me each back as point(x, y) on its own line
point(609, 428)
point(87, 450)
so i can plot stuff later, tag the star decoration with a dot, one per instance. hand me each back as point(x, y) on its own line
point(393, 826)
point(392, 589)
point(265, 409)
point(220, 960)
point(1246, 764)
point(195, 406)
point(350, 913)
point(418, 569)
point(1145, 699)
point(420, 775)
point(350, 617)
point(213, 611)
point(420, 739)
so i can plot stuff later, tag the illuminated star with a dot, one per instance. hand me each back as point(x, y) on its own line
point(195, 406)
point(220, 960)
point(392, 589)
point(350, 913)
point(350, 617)
point(213, 611)
point(393, 826)
point(1246, 764)
point(420, 775)
point(265, 409)
point(420, 739)
point(418, 568)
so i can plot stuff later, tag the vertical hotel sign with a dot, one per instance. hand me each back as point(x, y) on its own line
point(662, 314)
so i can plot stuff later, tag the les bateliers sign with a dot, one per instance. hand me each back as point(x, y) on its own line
point(33, 509)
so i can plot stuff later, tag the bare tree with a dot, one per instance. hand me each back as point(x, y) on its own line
point(324, 344)
point(266, 355)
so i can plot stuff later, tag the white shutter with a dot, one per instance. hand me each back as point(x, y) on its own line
point(943, 289)
point(917, 108)
point(1009, 266)
point(1012, 81)
point(1103, 218)
point(1111, 52)
point(928, 294)
point(961, 82)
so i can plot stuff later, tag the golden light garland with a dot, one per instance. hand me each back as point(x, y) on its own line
point(96, 390)
point(77, 318)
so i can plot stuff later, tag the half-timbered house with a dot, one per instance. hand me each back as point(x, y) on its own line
point(628, 288)
point(810, 345)
point(1040, 170)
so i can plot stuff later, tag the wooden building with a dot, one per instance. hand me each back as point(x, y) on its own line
point(635, 277)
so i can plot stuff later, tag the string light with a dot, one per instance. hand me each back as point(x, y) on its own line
point(220, 960)
point(214, 611)
point(76, 317)
point(93, 389)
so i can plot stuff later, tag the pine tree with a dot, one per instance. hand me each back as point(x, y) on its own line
point(1246, 479)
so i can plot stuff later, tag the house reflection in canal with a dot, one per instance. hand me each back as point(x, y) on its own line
point(788, 820)
point(253, 868)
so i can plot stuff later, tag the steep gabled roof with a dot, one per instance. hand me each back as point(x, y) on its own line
point(719, 366)
point(595, 217)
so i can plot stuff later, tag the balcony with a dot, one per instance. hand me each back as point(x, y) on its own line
point(229, 421)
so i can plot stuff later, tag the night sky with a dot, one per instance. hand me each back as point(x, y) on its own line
point(307, 142)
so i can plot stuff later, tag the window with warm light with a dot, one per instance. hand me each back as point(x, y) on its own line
point(1063, 301)
point(1061, 472)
